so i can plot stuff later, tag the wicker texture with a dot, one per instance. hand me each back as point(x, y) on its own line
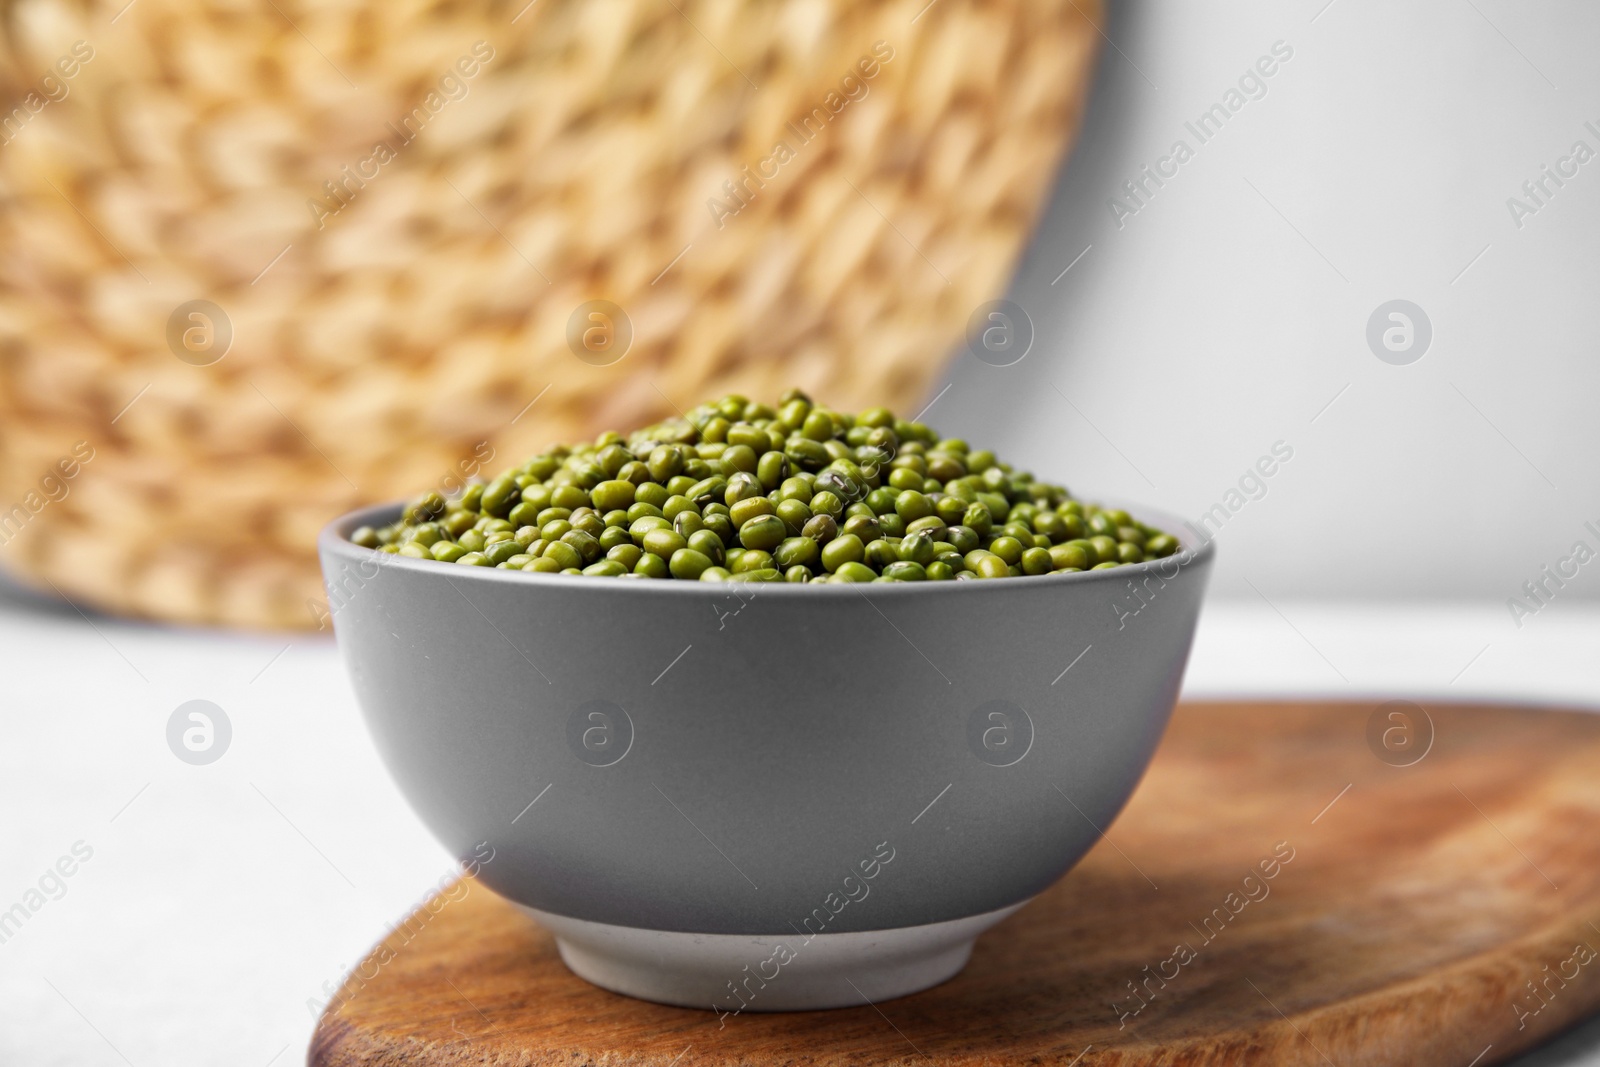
point(377, 348)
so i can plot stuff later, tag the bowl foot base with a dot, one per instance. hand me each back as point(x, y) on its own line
point(735, 973)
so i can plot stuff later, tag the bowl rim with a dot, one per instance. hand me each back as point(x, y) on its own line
point(334, 540)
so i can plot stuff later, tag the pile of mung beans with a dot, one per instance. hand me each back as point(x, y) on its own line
point(743, 491)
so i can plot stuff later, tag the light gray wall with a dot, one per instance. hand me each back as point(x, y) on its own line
point(1231, 309)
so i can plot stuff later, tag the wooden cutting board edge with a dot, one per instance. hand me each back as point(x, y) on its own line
point(1336, 1032)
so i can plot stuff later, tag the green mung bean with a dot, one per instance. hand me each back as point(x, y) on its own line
point(793, 492)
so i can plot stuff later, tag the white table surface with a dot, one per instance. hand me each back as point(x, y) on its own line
point(219, 899)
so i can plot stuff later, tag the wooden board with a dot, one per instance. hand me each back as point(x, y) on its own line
point(1419, 903)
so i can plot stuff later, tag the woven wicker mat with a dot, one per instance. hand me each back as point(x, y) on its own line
point(394, 210)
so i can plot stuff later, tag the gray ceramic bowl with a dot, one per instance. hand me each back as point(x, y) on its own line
point(763, 797)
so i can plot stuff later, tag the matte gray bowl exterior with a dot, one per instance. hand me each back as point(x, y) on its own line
point(753, 759)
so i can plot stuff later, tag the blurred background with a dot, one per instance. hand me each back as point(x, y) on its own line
point(1369, 261)
point(1227, 307)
